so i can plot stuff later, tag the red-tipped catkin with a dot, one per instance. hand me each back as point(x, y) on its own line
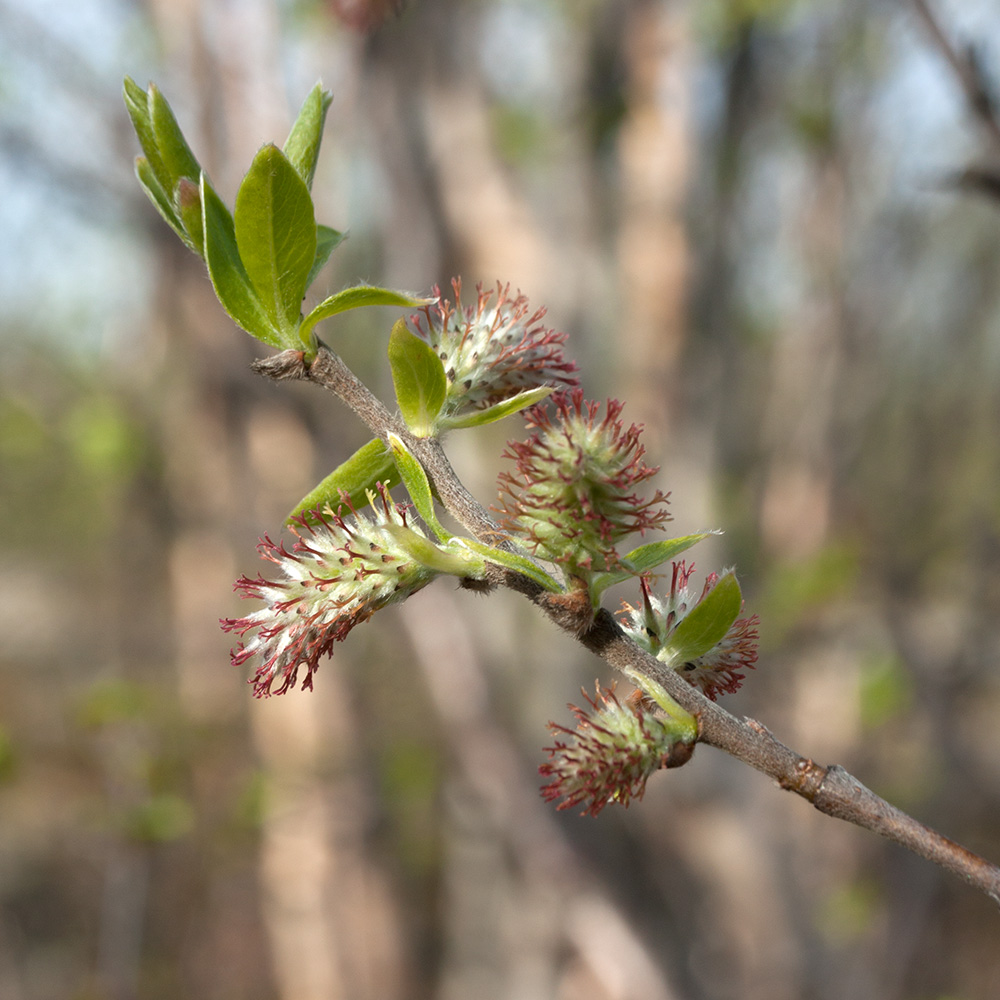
point(573, 493)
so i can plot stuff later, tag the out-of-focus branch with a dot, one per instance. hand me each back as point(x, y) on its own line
point(830, 789)
point(968, 72)
point(980, 97)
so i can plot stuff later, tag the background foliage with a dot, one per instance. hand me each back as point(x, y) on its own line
point(743, 214)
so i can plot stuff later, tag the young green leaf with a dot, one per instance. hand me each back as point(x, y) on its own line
point(372, 463)
point(229, 278)
point(327, 240)
point(188, 201)
point(137, 105)
point(477, 418)
point(644, 559)
point(161, 202)
point(303, 142)
point(356, 298)
point(178, 160)
point(276, 237)
point(705, 625)
point(511, 560)
point(155, 173)
point(419, 378)
point(417, 485)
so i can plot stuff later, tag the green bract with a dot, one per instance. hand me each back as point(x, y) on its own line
point(417, 485)
point(682, 723)
point(518, 563)
point(419, 378)
point(477, 418)
point(371, 464)
point(455, 560)
point(644, 559)
point(706, 624)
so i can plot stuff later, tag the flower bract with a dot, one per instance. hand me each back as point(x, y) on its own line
point(719, 670)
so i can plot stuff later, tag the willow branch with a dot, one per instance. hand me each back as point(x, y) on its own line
point(830, 788)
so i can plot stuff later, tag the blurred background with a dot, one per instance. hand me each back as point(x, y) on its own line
point(771, 227)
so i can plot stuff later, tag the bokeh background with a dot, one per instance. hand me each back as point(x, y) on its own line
point(768, 225)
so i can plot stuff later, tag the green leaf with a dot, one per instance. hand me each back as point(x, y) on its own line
point(229, 278)
point(705, 625)
point(161, 202)
point(276, 237)
point(511, 560)
point(455, 560)
point(417, 485)
point(303, 142)
point(647, 557)
point(644, 559)
point(137, 105)
point(327, 240)
point(188, 201)
point(370, 464)
point(174, 195)
point(477, 418)
point(419, 378)
point(355, 298)
point(178, 160)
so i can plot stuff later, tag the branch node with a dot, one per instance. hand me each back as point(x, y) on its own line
point(572, 611)
point(806, 779)
point(758, 727)
point(283, 366)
